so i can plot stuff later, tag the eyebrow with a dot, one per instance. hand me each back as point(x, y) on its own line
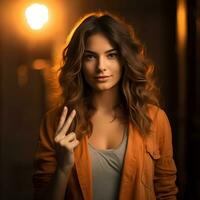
point(92, 52)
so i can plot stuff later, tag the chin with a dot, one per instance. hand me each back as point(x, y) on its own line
point(103, 88)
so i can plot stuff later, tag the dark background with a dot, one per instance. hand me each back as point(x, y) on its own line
point(25, 93)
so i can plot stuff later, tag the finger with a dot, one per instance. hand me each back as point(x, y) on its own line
point(62, 119)
point(74, 144)
point(71, 145)
point(67, 141)
point(69, 137)
point(67, 124)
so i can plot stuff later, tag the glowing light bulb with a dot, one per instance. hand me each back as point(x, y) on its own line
point(36, 16)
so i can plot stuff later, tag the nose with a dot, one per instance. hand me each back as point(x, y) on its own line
point(101, 65)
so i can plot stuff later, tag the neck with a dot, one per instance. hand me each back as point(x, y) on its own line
point(105, 101)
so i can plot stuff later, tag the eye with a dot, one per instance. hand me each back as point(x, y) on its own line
point(112, 55)
point(89, 57)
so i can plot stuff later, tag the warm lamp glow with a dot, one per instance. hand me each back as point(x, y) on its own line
point(36, 16)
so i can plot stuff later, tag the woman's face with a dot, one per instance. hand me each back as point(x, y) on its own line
point(101, 65)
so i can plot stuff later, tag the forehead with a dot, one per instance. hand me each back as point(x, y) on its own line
point(98, 42)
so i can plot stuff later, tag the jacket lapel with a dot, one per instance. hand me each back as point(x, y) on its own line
point(130, 169)
point(83, 168)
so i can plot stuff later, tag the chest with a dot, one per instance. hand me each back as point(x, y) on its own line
point(106, 134)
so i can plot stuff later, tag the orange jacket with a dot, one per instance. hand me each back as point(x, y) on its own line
point(149, 171)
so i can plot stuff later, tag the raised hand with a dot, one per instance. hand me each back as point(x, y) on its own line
point(65, 143)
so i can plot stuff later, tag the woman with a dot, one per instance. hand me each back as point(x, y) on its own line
point(108, 139)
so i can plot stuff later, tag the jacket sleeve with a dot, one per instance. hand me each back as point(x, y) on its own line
point(165, 168)
point(45, 160)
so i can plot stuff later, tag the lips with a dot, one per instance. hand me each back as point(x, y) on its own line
point(102, 78)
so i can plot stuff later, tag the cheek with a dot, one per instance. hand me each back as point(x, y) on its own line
point(119, 71)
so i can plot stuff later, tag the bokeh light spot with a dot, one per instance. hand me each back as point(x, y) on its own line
point(36, 16)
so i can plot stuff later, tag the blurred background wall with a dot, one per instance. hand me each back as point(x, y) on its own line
point(170, 31)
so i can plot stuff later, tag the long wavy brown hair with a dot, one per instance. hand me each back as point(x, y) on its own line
point(137, 85)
